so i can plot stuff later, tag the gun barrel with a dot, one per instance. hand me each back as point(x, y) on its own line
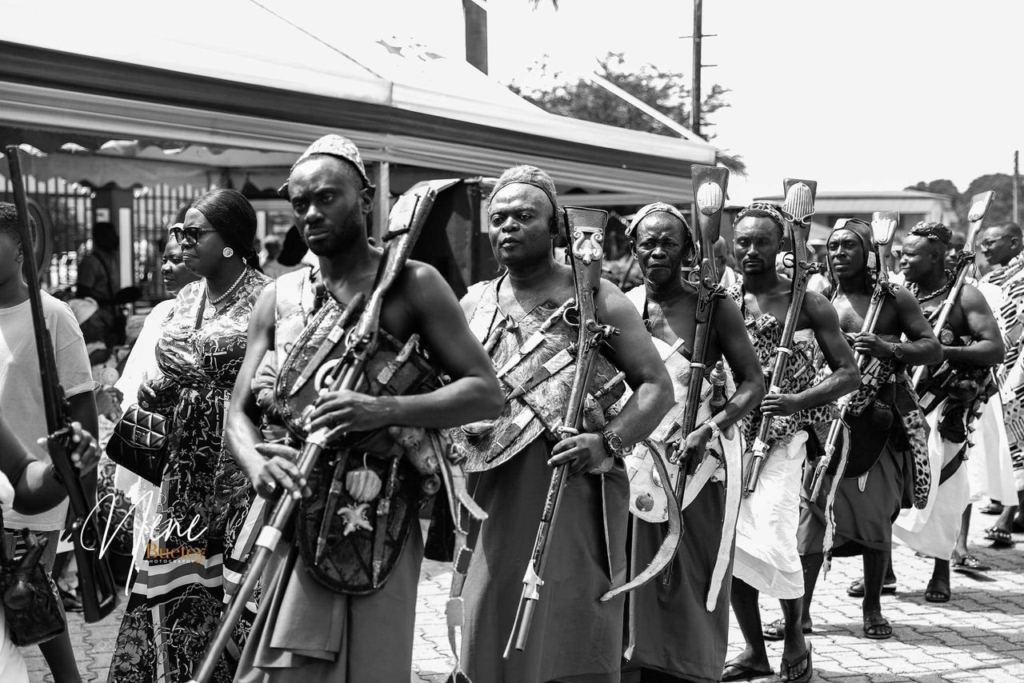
point(754, 472)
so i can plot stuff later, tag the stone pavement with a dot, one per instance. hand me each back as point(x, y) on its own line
point(977, 636)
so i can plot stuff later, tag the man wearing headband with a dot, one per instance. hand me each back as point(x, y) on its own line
point(886, 435)
point(695, 601)
point(306, 632)
point(766, 559)
point(951, 395)
point(1003, 248)
point(521, 317)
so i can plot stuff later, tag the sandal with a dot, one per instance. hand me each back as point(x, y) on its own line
point(803, 665)
point(856, 590)
point(993, 508)
point(937, 591)
point(881, 630)
point(969, 563)
point(1000, 538)
point(736, 670)
point(777, 630)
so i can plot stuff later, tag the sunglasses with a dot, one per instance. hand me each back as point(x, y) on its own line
point(187, 236)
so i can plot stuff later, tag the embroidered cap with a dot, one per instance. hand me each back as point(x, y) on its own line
point(336, 146)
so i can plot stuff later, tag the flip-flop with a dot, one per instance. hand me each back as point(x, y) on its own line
point(1000, 538)
point(786, 670)
point(992, 508)
point(777, 630)
point(742, 672)
point(879, 631)
point(856, 589)
point(937, 591)
point(969, 563)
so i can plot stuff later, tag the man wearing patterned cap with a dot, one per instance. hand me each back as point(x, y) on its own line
point(695, 599)
point(1003, 248)
point(321, 619)
point(884, 428)
point(766, 559)
point(573, 636)
point(950, 396)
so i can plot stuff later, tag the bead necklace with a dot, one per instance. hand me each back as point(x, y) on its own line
point(915, 289)
point(208, 313)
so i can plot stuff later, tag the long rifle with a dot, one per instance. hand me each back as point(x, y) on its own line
point(883, 229)
point(797, 210)
point(585, 228)
point(404, 226)
point(979, 207)
point(99, 595)
point(710, 185)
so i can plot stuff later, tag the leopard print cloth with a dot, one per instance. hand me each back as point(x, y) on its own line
point(765, 333)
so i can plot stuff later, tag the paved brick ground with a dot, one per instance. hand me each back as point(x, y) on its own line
point(978, 636)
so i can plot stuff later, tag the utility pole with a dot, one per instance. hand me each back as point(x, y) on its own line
point(1016, 186)
point(698, 35)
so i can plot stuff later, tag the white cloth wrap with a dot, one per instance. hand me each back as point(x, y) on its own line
point(766, 532)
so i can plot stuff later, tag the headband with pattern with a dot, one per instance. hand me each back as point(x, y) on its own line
point(766, 209)
point(934, 232)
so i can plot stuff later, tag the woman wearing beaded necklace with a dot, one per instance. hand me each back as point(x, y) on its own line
point(204, 499)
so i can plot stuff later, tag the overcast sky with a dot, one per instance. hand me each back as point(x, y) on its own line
point(860, 95)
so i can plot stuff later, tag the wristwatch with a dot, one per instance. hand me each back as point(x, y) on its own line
point(613, 444)
point(716, 431)
point(896, 350)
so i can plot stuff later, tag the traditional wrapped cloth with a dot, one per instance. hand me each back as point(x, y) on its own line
point(766, 531)
point(587, 545)
point(1008, 306)
point(696, 601)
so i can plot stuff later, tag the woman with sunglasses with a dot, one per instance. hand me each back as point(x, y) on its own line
point(122, 493)
point(204, 499)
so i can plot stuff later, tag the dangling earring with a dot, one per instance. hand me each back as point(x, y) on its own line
point(228, 252)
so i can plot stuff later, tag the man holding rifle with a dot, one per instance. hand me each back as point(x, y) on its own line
point(519, 316)
point(886, 445)
point(21, 395)
point(305, 631)
point(766, 535)
point(951, 393)
point(675, 630)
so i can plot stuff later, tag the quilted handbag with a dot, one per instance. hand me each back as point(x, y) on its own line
point(139, 443)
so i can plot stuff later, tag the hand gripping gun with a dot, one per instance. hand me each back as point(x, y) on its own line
point(404, 226)
point(585, 228)
point(883, 229)
point(797, 210)
point(99, 595)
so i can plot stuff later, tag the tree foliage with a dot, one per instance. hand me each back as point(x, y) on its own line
point(666, 91)
point(1001, 210)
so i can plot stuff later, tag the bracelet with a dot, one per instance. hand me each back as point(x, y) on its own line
point(716, 431)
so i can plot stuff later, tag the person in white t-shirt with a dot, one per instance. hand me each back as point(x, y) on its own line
point(21, 397)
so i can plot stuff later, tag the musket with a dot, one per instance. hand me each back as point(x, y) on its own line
point(404, 226)
point(883, 229)
point(979, 207)
point(99, 595)
point(710, 185)
point(585, 228)
point(797, 210)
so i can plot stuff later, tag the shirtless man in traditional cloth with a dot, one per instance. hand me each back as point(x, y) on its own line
point(305, 632)
point(766, 534)
point(679, 632)
point(887, 444)
point(573, 636)
point(951, 394)
point(1002, 246)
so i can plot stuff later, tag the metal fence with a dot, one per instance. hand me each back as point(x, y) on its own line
point(69, 206)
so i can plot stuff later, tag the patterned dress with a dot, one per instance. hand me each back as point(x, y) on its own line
point(206, 512)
